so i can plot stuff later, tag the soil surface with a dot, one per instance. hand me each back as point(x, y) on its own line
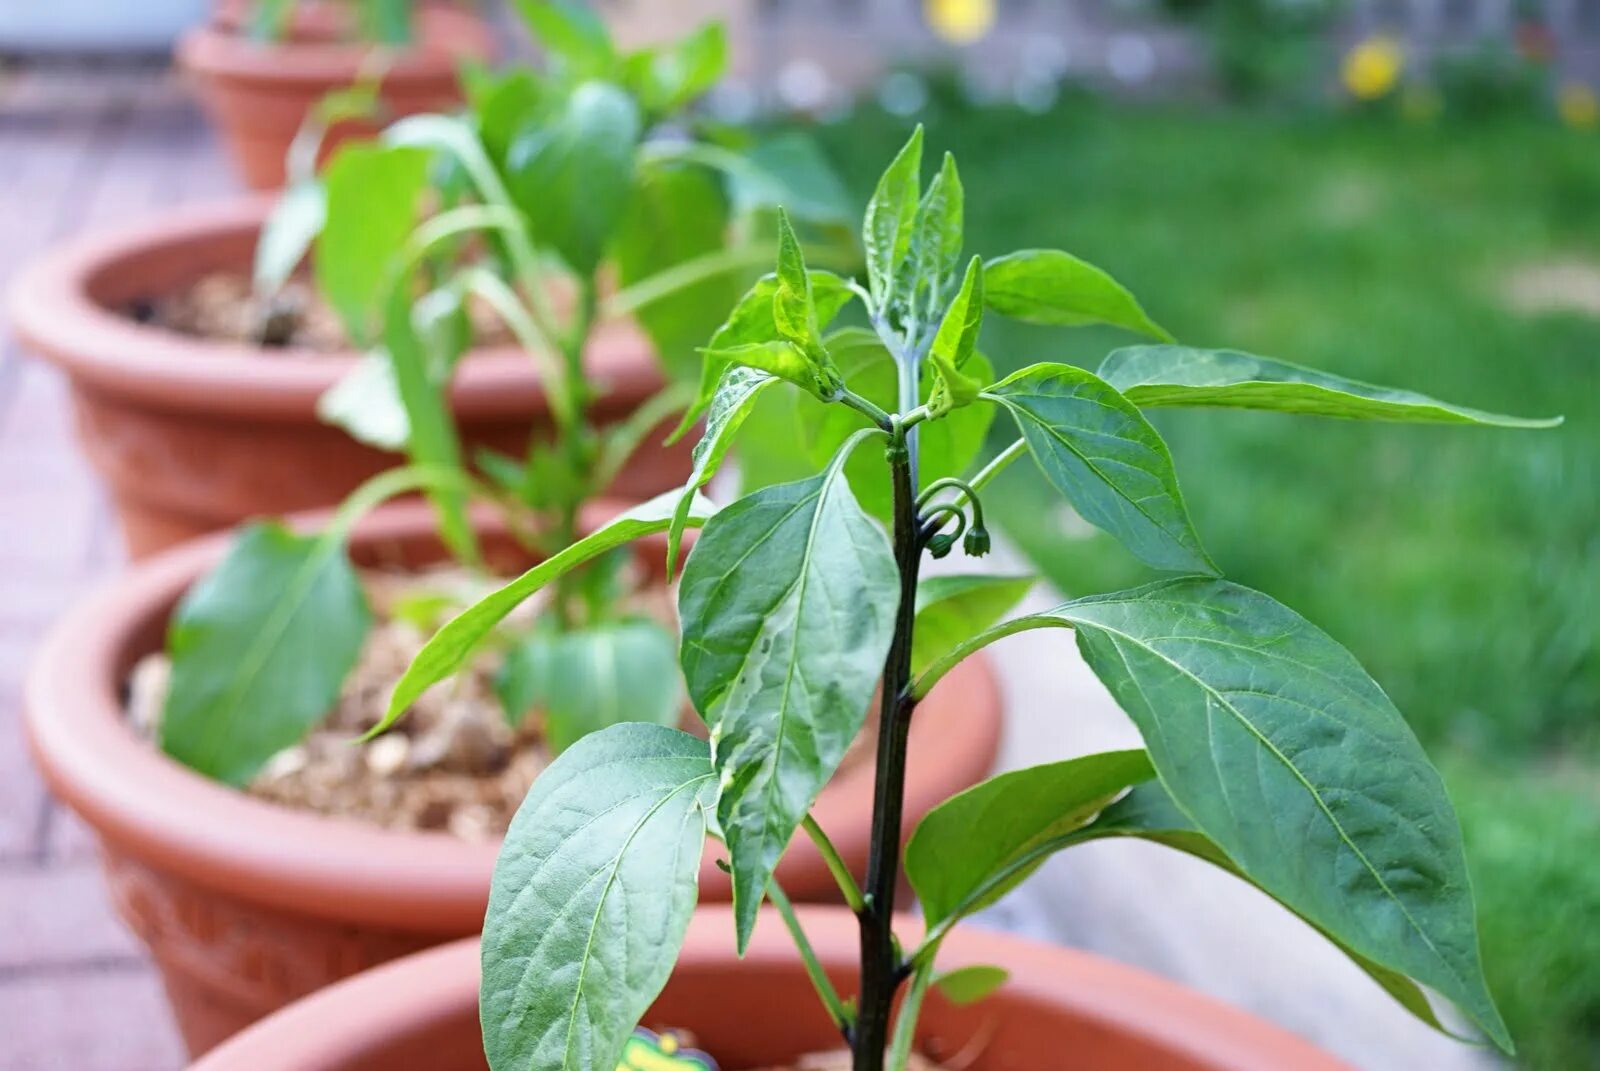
point(453, 763)
point(223, 307)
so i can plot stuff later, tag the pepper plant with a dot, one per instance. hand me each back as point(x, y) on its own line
point(1268, 751)
point(560, 199)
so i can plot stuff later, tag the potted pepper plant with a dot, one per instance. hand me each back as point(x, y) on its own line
point(1268, 751)
point(206, 365)
point(278, 640)
point(262, 66)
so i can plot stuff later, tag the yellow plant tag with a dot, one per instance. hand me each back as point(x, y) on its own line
point(649, 1051)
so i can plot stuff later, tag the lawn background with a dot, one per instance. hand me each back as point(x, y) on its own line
point(1461, 565)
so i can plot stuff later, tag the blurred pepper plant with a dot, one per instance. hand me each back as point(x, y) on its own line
point(562, 197)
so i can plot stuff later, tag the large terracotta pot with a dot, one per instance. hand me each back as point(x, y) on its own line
point(1059, 1009)
point(246, 905)
point(194, 435)
point(258, 93)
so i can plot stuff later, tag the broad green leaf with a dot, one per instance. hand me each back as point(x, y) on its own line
point(739, 390)
point(589, 678)
point(886, 230)
point(366, 403)
point(1098, 449)
point(955, 343)
point(1047, 286)
point(677, 212)
point(1152, 376)
point(450, 646)
point(968, 985)
point(572, 175)
point(1147, 812)
point(574, 34)
point(779, 358)
point(788, 603)
point(520, 678)
point(1281, 749)
point(953, 609)
point(501, 104)
point(978, 845)
point(260, 648)
point(790, 170)
point(591, 896)
point(287, 233)
point(372, 195)
point(670, 76)
point(946, 447)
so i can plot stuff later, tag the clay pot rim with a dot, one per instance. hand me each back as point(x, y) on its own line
point(54, 312)
point(444, 37)
point(333, 1027)
point(145, 804)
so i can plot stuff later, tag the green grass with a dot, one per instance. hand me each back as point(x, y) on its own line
point(1461, 565)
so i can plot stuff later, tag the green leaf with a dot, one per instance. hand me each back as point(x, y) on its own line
point(789, 170)
point(450, 646)
point(954, 345)
point(1047, 286)
point(260, 648)
point(740, 388)
point(372, 195)
point(591, 896)
point(953, 609)
point(587, 679)
point(782, 359)
point(287, 233)
point(1277, 745)
point(669, 77)
point(677, 213)
point(794, 313)
point(936, 233)
point(572, 175)
point(886, 230)
point(946, 447)
point(574, 35)
point(1098, 449)
point(1180, 375)
point(978, 845)
point(501, 104)
point(365, 402)
point(788, 603)
point(1147, 812)
point(386, 22)
point(968, 985)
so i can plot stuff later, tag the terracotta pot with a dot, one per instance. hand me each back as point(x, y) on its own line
point(246, 905)
point(194, 435)
point(1059, 1009)
point(258, 93)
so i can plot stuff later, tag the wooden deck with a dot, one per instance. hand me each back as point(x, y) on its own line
point(80, 151)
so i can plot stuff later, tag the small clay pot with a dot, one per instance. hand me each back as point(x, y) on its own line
point(1059, 1009)
point(246, 905)
point(259, 92)
point(193, 435)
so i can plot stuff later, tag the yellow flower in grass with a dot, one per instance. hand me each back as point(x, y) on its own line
point(1372, 68)
point(961, 22)
point(1579, 106)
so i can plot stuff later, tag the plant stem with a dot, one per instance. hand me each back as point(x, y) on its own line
point(905, 1025)
point(836, 864)
point(808, 956)
point(880, 957)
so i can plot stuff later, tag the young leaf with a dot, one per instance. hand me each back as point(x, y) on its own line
point(1148, 813)
point(671, 76)
point(366, 403)
point(372, 193)
point(777, 358)
point(1098, 449)
point(739, 390)
point(978, 845)
point(886, 230)
point(572, 176)
point(501, 104)
point(968, 985)
point(953, 609)
point(1280, 748)
point(955, 343)
point(794, 313)
point(573, 33)
point(1047, 286)
point(260, 648)
point(936, 233)
point(1152, 376)
point(450, 646)
point(620, 671)
point(788, 603)
point(591, 896)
